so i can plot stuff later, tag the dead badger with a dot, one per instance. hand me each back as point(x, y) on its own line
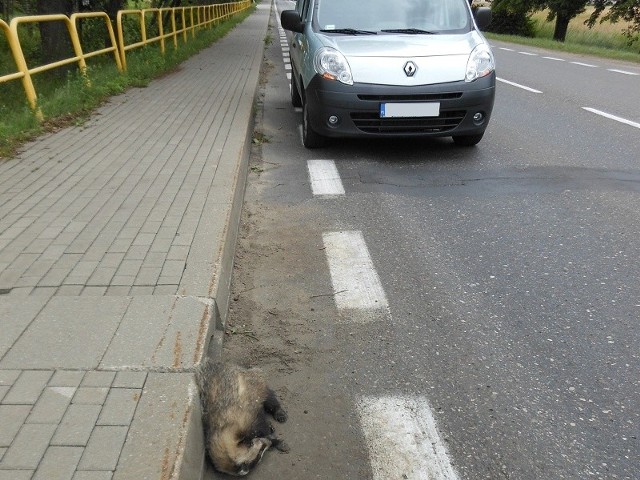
point(234, 405)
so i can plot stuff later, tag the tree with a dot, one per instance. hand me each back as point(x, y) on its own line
point(55, 42)
point(562, 11)
point(627, 10)
point(511, 17)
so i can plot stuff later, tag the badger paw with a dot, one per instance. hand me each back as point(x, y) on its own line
point(280, 415)
point(280, 445)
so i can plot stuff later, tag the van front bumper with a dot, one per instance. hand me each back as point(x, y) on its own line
point(338, 110)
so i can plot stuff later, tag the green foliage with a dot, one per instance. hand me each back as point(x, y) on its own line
point(625, 10)
point(511, 17)
point(64, 100)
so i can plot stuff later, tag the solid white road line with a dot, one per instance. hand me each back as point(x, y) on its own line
point(356, 284)
point(403, 440)
point(615, 70)
point(324, 176)
point(612, 117)
point(518, 85)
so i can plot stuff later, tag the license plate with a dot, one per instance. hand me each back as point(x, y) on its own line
point(400, 110)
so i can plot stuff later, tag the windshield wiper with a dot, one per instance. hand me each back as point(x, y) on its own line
point(412, 31)
point(349, 31)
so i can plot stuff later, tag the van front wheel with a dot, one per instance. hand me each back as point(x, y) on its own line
point(296, 100)
point(310, 139)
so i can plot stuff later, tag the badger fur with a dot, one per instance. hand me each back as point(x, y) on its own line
point(235, 401)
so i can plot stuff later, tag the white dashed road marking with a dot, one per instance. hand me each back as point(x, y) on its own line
point(585, 64)
point(612, 117)
point(624, 72)
point(529, 89)
point(356, 284)
point(403, 440)
point(325, 179)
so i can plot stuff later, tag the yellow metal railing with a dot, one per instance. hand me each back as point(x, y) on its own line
point(189, 19)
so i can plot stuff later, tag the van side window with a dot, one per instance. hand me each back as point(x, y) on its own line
point(303, 7)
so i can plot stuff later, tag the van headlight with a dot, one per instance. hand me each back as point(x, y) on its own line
point(332, 65)
point(480, 63)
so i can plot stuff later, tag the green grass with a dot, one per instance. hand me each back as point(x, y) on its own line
point(67, 100)
point(603, 40)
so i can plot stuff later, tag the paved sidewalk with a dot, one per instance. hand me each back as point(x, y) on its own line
point(116, 251)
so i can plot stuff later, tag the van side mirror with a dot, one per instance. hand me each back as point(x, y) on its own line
point(483, 17)
point(291, 20)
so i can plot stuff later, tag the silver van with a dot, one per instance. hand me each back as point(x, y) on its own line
point(390, 68)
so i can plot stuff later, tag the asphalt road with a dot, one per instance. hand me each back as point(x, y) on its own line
point(502, 341)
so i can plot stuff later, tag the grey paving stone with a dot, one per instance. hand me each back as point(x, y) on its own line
point(28, 447)
point(59, 463)
point(129, 268)
point(16, 474)
point(43, 292)
point(92, 475)
point(65, 334)
point(154, 259)
point(127, 379)
point(147, 276)
point(160, 332)
point(21, 292)
point(166, 288)
point(96, 378)
point(94, 291)
point(173, 268)
point(11, 418)
point(90, 395)
point(119, 406)
point(138, 290)
point(103, 449)
point(51, 405)
point(8, 377)
point(76, 425)
point(102, 276)
point(137, 252)
point(118, 290)
point(69, 290)
point(111, 259)
point(66, 378)
point(21, 313)
point(3, 391)
point(28, 387)
point(152, 445)
point(178, 252)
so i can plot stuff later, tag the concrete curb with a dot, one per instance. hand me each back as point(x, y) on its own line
point(182, 456)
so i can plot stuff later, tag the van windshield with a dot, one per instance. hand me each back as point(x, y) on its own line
point(393, 16)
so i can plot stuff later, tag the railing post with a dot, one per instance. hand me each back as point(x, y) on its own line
point(123, 55)
point(21, 64)
point(77, 49)
point(173, 26)
point(161, 31)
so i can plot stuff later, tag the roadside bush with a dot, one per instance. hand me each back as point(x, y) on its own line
point(511, 17)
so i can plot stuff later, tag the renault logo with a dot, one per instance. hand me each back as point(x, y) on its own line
point(410, 69)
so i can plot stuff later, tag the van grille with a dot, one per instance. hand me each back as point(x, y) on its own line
point(427, 97)
point(370, 122)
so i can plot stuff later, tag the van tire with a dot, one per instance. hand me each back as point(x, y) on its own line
point(467, 140)
point(310, 139)
point(296, 100)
